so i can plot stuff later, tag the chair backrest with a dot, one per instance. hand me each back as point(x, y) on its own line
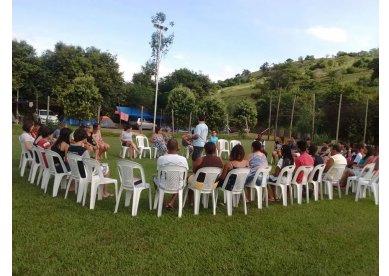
point(35, 154)
point(50, 155)
point(41, 152)
point(172, 178)
point(92, 168)
point(367, 171)
point(223, 144)
point(73, 160)
point(241, 175)
point(140, 141)
point(375, 179)
point(302, 169)
point(334, 173)
point(320, 170)
point(285, 175)
point(211, 174)
point(234, 142)
point(25, 152)
point(264, 171)
point(126, 170)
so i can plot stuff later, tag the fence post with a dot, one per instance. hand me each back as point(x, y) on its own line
point(337, 126)
point(278, 108)
point(141, 120)
point(291, 116)
point(268, 134)
point(47, 111)
point(364, 131)
point(313, 117)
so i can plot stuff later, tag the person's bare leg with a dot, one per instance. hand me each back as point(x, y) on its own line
point(172, 200)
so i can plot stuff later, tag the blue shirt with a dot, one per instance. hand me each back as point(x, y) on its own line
point(213, 139)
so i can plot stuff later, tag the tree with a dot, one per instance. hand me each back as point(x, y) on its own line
point(375, 65)
point(81, 98)
point(264, 68)
point(182, 101)
point(215, 112)
point(158, 19)
point(245, 110)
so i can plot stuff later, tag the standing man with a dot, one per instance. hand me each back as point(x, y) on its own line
point(199, 138)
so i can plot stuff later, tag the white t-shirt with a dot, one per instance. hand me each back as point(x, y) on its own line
point(202, 130)
point(126, 136)
point(172, 160)
point(26, 137)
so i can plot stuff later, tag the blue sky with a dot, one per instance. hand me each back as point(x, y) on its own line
point(218, 38)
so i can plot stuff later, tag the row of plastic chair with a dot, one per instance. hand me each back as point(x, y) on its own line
point(223, 146)
point(143, 146)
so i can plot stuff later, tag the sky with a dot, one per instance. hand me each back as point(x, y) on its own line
point(217, 38)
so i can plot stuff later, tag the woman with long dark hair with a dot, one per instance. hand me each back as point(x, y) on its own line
point(285, 160)
point(61, 146)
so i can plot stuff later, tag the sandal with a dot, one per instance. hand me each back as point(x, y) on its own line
point(271, 199)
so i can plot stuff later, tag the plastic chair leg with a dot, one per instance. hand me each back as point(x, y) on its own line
point(196, 201)
point(67, 187)
point(299, 193)
point(214, 202)
point(93, 195)
point(150, 200)
point(80, 191)
point(252, 194)
point(244, 202)
point(135, 201)
point(39, 176)
point(118, 200)
point(284, 195)
point(57, 182)
point(160, 202)
point(357, 192)
point(180, 203)
point(330, 190)
point(186, 195)
point(24, 163)
point(128, 198)
point(229, 202)
point(33, 173)
point(291, 194)
point(156, 199)
point(259, 197)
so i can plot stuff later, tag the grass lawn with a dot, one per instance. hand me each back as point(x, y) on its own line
point(57, 236)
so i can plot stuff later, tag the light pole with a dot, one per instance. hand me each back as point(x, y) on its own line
point(160, 28)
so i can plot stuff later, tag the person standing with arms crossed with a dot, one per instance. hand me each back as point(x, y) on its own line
point(199, 138)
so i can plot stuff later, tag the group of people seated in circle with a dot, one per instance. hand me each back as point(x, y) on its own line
point(84, 141)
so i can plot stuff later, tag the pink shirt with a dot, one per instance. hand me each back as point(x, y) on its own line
point(303, 160)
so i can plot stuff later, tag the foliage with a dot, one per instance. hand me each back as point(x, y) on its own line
point(245, 110)
point(81, 98)
point(215, 112)
point(140, 95)
point(166, 41)
point(182, 102)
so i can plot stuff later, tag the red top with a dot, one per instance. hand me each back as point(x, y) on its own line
point(303, 160)
point(44, 145)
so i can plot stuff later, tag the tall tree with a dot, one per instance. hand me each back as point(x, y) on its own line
point(81, 98)
point(158, 19)
point(215, 112)
point(182, 101)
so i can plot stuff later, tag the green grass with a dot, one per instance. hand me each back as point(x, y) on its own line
point(57, 236)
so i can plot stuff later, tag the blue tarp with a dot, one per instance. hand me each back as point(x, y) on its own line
point(135, 112)
point(74, 122)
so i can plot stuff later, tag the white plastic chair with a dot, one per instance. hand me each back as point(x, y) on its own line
point(155, 152)
point(94, 175)
point(315, 183)
point(46, 172)
point(58, 176)
point(208, 188)
point(284, 181)
point(128, 182)
point(306, 170)
point(263, 187)
point(366, 173)
point(223, 146)
point(234, 142)
point(335, 173)
point(237, 191)
point(75, 176)
point(143, 145)
point(372, 183)
point(35, 166)
point(170, 180)
point(25, 158)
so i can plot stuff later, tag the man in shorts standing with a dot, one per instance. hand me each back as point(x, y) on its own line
point(199, 138)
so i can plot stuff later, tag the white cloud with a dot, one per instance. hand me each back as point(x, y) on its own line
point(227, 71)
point(179, 56)
point(128, 68)
point(332, 34)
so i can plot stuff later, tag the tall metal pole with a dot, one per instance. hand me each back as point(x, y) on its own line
point(269, 129)
point(141, 120)
point(190, 121)
point(291, 116)
point(157, 73)
point(364, 131)
point(337, 126)
point(173, 120)
point(278, 108)
point(47, 111)
point(313, 117)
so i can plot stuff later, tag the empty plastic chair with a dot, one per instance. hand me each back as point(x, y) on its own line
point(234, 142)
point(223, 146)
point(143, 145)
point(131, 184)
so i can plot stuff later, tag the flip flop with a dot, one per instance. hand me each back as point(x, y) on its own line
point(272, 199)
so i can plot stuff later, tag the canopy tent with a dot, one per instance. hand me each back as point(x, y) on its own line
point(134, 112)
point(106, 122)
